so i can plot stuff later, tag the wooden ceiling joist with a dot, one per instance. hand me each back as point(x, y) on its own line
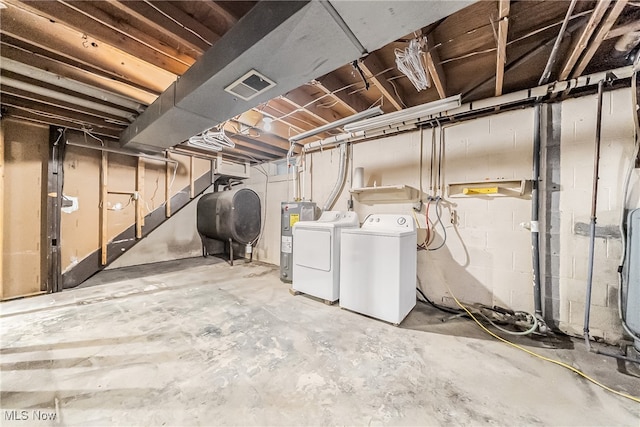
point(188, 22)
point(503, 30)
point(61, 92)
point(302, 101)
point(57, 111)
point(335, 88)
point(45, 119)
point(269, 138)
point(623, 29)
point(77, 20)
point(35, 57)
point(147, 14)
point(253, 144)
point(599, 37)
point(583, 40)
point(60, 41)
point(35, 97)
point(374, 70)
point(96, 12)
point(435, 68)
point(227, 17)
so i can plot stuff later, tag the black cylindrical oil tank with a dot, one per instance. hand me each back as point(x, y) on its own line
point(233, 214)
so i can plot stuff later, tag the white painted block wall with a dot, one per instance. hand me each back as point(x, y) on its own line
point(487, 256)
point(577, 153)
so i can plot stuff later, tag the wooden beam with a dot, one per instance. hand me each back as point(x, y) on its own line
point(594, 20)
point(37, 117)
point(168, 178)
point(186, 21)
point(374, 71)
point(58, 112)
point(139, 197)
point(469, 93)
point(147, 14)
point(621, 30)
point(7, 89)
point(600, 36)
point(40, 58)
point(74, 18)
point(227, 17)
point(334, 87)
point(70, 45)
point(99, 11)
point(435, 68)
point(503, 30)
point(104, 239)
point(269, 138)
point(255, 146)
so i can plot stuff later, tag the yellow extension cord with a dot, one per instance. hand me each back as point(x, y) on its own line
point(539, 356)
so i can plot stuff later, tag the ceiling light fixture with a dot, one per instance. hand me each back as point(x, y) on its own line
point(371, 112)
point(409, 116)
point(266, 124)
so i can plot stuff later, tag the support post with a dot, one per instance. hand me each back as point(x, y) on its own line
point(55, 178)
point(104, 169)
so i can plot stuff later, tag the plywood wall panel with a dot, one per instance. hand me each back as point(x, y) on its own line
point(79, 229)
point(25, 156)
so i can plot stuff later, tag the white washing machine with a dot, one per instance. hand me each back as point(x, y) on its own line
point(316, 254)
point(378, 268)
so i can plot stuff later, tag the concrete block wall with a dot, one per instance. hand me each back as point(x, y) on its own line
point(577, 143)
point(487, 255)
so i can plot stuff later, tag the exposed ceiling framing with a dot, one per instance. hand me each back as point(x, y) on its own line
point(96, 65)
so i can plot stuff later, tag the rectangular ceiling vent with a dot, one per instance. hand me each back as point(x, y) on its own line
point(250, 85)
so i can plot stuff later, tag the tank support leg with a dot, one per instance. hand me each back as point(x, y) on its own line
point(231, 252)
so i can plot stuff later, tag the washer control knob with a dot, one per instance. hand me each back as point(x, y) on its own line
point(401, 220)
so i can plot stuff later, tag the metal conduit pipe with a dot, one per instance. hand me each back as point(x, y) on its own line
point(342, 176)
point(535, 229)
point(592, 223)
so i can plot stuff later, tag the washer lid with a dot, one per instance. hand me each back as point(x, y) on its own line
point(331, 219)
point(387, 232)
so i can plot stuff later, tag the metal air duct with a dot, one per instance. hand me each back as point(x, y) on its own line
point(288, 43)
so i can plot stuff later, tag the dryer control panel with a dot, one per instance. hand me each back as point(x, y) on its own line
point(389, 222)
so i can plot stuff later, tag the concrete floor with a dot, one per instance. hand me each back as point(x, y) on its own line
point(196, 343)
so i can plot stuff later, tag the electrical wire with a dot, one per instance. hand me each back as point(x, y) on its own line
point(539, 356)
point(425, 299)
point(444, 230)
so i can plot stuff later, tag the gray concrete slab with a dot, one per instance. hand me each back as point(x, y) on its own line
point(210, 344)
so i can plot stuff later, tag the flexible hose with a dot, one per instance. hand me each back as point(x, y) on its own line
point(444, 230)
point(342, 176)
